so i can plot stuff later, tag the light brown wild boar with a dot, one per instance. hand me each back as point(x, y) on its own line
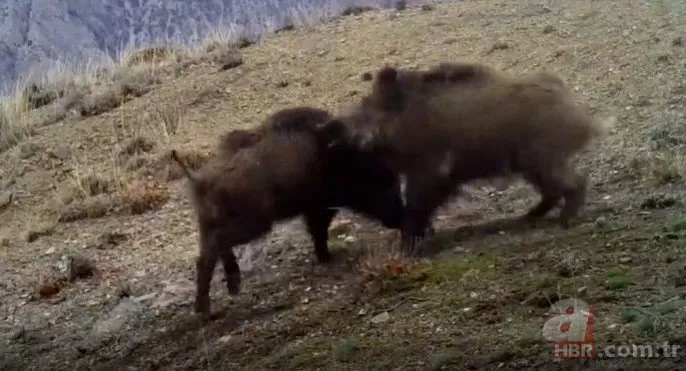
point(483, 126)
point(289, 171)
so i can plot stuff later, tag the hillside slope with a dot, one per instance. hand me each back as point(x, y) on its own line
point(39, 33)
point(94, 187)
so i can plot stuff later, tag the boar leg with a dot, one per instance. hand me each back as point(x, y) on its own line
point(232, 272)
point(204, 268)
point(424, 193)
point(574, 194)
point(318, 221)
point(554, 184)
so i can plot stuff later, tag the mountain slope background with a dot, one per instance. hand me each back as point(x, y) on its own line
point(35, 34)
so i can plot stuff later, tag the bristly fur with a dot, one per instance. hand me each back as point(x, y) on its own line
point(487, 123)
point(289, 170)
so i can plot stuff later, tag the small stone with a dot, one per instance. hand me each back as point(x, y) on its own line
point(380, 318)
point(49, 251)
point(500, 45)
point(144, 298)
point(548, 29)
point(459, 249)
point(581, 289)
point(224, 339)
point(678, 41)
point(362, 312)
point(625, 259)
point(350, 239)
point(601, 221)
point(17, 333)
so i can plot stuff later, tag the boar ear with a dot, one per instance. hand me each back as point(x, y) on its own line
point(387, 75)
point(331, 131)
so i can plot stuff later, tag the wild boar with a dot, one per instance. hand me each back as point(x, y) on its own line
point(482, 125)
point(287, 172)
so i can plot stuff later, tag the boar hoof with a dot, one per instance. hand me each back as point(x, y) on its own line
point(234, 288)
point(202, 306)
point(324, 257)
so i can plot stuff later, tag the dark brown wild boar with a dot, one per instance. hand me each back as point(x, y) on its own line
point(290, 171)
point(487, 125)
point(296, 119)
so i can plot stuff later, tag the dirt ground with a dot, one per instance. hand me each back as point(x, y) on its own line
point(478, 299)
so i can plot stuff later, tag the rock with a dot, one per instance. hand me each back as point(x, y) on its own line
point(6, 200)
point(18, 333)
point(380, 318)
point(175, 294)
point(75, 266)
point(625, 259)
point(678, 41)
point(600, 222)
point(658, 202)
point(59, 153)
point(548, 29)
point(145, 299)
point(350, 239)
point(112, 323)
point(110, 240)
point(500, 45)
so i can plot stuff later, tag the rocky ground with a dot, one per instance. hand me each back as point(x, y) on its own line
point(98, 237)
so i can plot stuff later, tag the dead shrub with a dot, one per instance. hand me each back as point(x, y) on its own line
point(41, 96)
point(88, 208)
point(39, 231)
point(139, 197)
point(383, 271)
point(71, 267)
point(154, 54)
point(167, 170)
point(225, 56)
point(665, 168)
point(50, 284)
point(135, 146)
point(169, 114)
point(356, 10)
point(128, 84)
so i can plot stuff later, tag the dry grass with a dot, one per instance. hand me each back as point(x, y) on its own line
point(89, 195)
point(96, 87)
point(384, 271)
